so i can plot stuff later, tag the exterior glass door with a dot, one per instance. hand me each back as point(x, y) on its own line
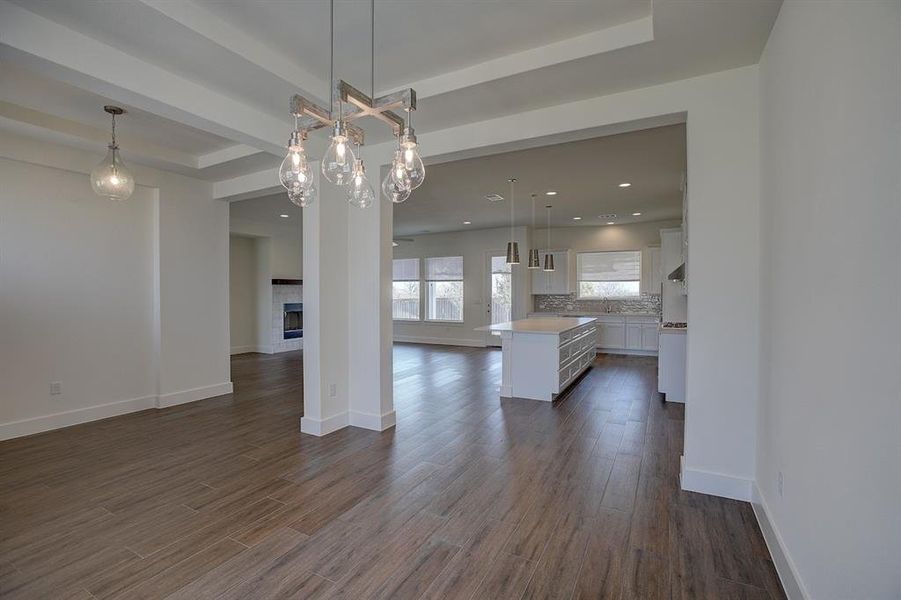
point(500, 285)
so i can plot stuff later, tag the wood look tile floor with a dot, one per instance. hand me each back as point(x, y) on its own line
point(469, 497)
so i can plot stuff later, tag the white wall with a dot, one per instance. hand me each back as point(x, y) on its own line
point(473, 246)
point(126, 303)
point(831, 296)
point(286, 249)
point(76, 293)
point(242, 295)
point(625, 236)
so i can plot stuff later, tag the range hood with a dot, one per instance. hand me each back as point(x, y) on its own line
point(678, 273)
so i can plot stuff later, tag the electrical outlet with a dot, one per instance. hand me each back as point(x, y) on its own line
point(780, 483)
point(332, 390)
point(56, 388)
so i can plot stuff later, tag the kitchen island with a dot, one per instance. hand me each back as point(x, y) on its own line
point(543, 356)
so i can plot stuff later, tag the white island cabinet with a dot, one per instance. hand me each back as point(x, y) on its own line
point(542, 356)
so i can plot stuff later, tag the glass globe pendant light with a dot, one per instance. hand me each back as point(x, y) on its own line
point(110, 178)
point(396, 185)
point(295, 171)
point(512, 245)
point(548, 257)
point(339, 160)
point(359, 192)
point(534, 259)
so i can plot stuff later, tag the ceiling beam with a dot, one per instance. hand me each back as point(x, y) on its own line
point(635, 32)
point(220, 32)
point(60, 53)
point(218, 157)
point(58, 130)
point(252, 185)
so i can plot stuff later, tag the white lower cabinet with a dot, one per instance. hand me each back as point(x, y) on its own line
point(650, 337)
point(612, 335)
point(627, 332)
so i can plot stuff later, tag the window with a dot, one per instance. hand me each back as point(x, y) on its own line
point(405, 296)
point(444, 288)
point(609, 274)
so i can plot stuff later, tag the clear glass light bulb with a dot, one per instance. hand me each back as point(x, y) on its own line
point(339, 160)
point(111, 179)
point(302, 196)
point(412, 164)
point(395, 189)
point(295, 169)
point(360, 193)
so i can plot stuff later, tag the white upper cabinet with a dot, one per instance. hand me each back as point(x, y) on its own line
point(562, 280)
point(651, 270)
point(671, 249)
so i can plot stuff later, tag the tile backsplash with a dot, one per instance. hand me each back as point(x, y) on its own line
point(558, 303)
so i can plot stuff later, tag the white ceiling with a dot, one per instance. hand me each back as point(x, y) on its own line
point(267, 210)
point(469, 60)
point(25, 89)
point(585, 174)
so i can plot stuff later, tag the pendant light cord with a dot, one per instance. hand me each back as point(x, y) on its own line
point(372, 49)
point(548, 229)
point(512, 203)
point(331, 67)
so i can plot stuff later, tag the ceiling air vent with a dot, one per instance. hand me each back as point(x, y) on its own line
point(494, 197)
point(607, 217)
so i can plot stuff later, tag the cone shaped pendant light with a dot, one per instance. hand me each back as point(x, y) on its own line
point(534, 258)
point(512, 245)
point(548, 257)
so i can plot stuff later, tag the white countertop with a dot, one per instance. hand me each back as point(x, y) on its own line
point(546, 325)
point(544, 315)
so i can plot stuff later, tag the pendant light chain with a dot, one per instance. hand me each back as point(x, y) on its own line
point(113, 115)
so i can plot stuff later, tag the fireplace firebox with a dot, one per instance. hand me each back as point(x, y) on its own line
point(293, 324)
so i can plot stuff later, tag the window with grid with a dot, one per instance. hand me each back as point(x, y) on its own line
point(444, 288)
point(609, 274)
point(405, 289)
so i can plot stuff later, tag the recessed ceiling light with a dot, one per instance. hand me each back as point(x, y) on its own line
point(467, 222)
point(285, 216)
point(636, 214)
point(610, 223)
point(577, 218)
point(625, 184)
point(550, 193)
point(394, 244)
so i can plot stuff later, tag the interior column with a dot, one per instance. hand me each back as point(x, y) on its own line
point(325, 303)
point(371, 335)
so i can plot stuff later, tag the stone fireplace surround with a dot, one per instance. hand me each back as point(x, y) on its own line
point(281, 295)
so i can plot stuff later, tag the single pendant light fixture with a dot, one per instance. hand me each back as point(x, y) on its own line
point(534, 258)
point(110, 178)
point(512, 245)
point(548, 257)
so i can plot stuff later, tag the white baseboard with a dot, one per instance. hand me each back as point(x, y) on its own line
point(246, 349)
point(785, 567)
point(716, 484)
point(373, 421)
point(320, 427)
point(623, 351)
point(192, 395)
point(24, 427)
point(415, 339)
